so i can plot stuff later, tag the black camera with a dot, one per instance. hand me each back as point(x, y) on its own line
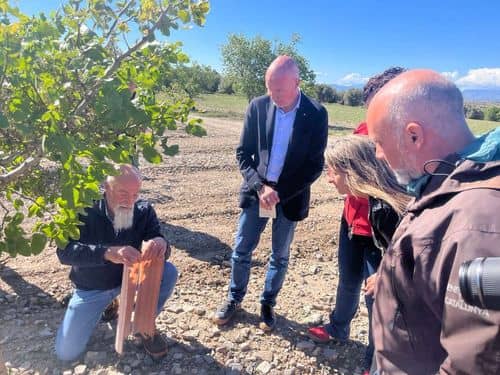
point(479, 281)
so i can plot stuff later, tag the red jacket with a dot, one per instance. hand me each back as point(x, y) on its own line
point(356, 209)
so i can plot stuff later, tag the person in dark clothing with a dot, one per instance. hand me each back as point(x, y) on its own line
point(119, 229)
point(421, 324)
point(353, 169)
point(357, 251)
point(280, 155)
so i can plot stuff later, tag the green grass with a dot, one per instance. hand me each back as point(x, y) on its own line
point(221, 105)
point(342, 118)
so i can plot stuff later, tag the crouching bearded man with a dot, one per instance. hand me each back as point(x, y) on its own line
point(118, 230)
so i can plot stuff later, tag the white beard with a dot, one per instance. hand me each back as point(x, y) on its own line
point(123, 219)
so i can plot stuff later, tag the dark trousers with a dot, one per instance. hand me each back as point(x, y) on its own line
point(358, 258)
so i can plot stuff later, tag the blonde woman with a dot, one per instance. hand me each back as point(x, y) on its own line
point(353, 169)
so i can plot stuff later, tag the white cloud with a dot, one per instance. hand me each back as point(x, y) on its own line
point(452, 76)
point(352, 79)
point(324, 74)
point(479, 78)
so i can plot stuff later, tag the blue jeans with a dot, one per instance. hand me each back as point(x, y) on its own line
point(250, 228)
point(84, 311)
point(358, 258)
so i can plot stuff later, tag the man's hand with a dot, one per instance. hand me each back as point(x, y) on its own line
point(127, 255)
point(154, 248)
point(370, 285)
point(268, 197)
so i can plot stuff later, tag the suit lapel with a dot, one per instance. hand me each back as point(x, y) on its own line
point(297, 131)
point(271, 113)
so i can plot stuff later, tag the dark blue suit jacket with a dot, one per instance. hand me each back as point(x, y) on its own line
point(304, 160)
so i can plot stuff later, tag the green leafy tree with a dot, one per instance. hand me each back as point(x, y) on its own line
point(246, 60)
point(492, 113)
point(195, 79)
point(326, 94)
point(66, 114)
point(226, 85)
point(473, 112)
point(353, 97)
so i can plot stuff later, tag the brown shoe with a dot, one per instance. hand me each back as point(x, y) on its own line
point(111, 312)
point(155, 346)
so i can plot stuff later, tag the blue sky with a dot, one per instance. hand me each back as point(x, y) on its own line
point(348, 41)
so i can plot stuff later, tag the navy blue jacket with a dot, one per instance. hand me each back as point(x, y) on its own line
point(89, 269)
point(304, 159)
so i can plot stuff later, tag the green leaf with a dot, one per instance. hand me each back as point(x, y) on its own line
point(196, 130)
point(38, 242)
point(74, 232)
point(4, 123)
point(151, 155)
point(184, 15)
point(18, 203)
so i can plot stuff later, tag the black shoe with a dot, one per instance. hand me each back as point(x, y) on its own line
point(226, 312)
point(267, 317)
point(111, 312)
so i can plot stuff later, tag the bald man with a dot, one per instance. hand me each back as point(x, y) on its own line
point(421, 324)
point(280, 155)
point(119, 229)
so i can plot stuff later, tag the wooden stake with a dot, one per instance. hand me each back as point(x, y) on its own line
point(138, 300)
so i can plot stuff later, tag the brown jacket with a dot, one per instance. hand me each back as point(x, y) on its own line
point(421, 325)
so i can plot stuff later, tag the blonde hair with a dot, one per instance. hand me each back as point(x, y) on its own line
point(354, 156)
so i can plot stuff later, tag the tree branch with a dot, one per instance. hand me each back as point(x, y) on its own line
point(21, 170)
point(116, 64)
point(115, 23)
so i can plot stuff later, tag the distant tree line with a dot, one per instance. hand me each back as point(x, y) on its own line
point(327, 94)
point(482, 112)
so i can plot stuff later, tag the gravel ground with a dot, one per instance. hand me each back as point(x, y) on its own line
point(195, 194)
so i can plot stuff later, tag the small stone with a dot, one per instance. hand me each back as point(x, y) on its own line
point(67, 372)
point(289, 371)
point(314, 269)
point(265, 355)
point(314, 319)
point(80, 370)
point(11, 297)
point(215, 332)
point(245, 347)
point(191, 335)
point(46, 332)
point(136, 363)
point(305, 345)
point(175, 309)
point(199, 311)
point(264, 367)
point(127, 369)
point(178, 356)
point(94, 357)
point(330, 354)
point(234, 368)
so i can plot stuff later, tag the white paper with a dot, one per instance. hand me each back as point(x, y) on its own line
point(267, 213)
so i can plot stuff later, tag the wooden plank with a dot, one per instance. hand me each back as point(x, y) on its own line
point(127, 295)
point(147, 296)
point(3, 369)
point(138, 300)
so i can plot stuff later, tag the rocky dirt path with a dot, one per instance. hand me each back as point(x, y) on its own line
point(195, 195)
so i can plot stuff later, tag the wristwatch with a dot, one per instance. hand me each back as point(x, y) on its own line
point(258, 186)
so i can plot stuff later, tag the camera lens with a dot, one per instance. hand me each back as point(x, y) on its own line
point(479, 282)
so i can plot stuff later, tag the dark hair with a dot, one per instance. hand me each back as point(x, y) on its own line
point(375, 83)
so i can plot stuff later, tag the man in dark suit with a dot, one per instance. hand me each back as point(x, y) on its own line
point(280, 155)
